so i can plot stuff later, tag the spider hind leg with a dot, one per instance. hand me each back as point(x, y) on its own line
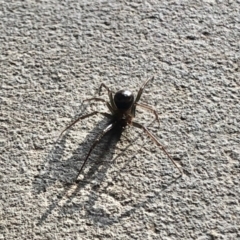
point(153, 138)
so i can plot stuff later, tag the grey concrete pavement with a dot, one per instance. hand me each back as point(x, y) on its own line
point(54, 54)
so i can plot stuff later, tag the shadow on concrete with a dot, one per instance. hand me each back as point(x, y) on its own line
point(65, 172)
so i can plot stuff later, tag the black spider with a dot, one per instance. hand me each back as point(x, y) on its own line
point(122, 107)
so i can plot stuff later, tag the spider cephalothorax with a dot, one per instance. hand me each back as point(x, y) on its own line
point(122, 107)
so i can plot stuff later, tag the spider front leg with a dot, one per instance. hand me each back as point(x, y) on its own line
point(139, 94)
point(140, 91)
point(157, 142)
point(101, 100)
point(105, 86)
point(110, 95)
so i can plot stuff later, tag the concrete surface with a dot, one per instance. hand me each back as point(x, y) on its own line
point(55, 54)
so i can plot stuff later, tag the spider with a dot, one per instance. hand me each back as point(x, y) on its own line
point(122, 106)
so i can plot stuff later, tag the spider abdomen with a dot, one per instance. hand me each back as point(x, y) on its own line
point(123, 99)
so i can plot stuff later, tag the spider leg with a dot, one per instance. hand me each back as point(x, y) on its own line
point(107, 129)
point(157, 142)
point(140, 91)
point(82, 117)
point(94, 98)
point(101, 100)
point(150, 109)
point(110, 95)
point(106, 87)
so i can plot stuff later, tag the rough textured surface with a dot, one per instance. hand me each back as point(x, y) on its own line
point(54, 54)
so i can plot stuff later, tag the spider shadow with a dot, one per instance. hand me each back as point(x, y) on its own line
point(65, 171)
point(98, 214)
point(57, 169)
